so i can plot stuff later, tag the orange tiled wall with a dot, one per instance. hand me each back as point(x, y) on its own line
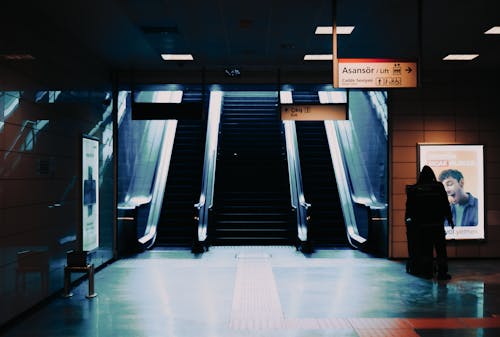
point(444, 114)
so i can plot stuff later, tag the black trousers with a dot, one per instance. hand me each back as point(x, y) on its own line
point(433, 237)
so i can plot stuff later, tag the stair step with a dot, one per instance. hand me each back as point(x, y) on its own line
point(252, 194)
point(326, 225)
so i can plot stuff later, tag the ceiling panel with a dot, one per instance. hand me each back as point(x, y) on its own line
point(80, 43)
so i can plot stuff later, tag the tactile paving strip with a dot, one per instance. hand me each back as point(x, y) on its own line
point(256, 302)
point(256, 306)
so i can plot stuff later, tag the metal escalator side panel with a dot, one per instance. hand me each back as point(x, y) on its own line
point(209, 164)
point(344, 189)
point(295, 178)
point(159, 182)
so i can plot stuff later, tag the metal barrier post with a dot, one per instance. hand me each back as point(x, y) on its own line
point(90, 273)
point(78, 261)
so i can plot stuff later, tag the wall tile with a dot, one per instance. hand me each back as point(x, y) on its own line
point(439, 123)
point(407, 122)
point(467, 122)
point(407, 138)
point(398, 218)
point(492, 155)
point(468, 250)
point(451, 250)
point(493, 201)
point(493, 217)
point(491, 248)
point(439, 137)
point(493, 170)
point(398, 201)
point(403, 170)
point(399, 250)
point(489, 138)
point(399, 185)
point(399, 233)
point(490, 122)
point(404, 154)
point(467, 137)
point(438, 108)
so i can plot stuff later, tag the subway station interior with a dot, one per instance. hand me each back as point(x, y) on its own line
point(233, 168)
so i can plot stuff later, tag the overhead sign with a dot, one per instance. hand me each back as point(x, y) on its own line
point(376, 73)
point(316, 112)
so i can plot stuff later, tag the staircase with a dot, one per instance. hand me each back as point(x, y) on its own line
point(252, 195)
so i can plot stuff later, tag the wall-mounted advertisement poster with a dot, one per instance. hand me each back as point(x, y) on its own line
point(90, 194)
point(460, 169)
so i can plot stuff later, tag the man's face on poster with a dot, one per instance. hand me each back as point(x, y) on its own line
point(454, 189)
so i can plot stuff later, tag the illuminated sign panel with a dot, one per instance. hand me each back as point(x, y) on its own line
point(90, 194)
point(460, 169)
point(318, 112)
point(376, 73)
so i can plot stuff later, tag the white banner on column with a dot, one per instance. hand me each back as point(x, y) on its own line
point(90, 194)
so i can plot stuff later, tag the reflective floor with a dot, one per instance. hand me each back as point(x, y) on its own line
point(272, 291)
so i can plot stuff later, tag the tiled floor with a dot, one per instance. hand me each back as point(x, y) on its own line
point(273, 291)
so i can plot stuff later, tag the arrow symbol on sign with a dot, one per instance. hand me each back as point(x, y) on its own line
point(408, 70)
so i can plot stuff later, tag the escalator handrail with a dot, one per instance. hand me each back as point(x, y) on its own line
point(159, 183)
point(297, 197)
point(205, 202)
point(344, 187)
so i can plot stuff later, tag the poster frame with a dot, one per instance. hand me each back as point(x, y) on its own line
point(472, 172)
point(89, 193)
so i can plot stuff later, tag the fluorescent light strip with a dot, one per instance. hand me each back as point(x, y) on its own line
point(460, 57)
point(318, 57)
point(286, 97)
point(177, 57)
point(332, 97)
point(493, 30)
point(18, 57)
point(328, 30)
point(167, 96)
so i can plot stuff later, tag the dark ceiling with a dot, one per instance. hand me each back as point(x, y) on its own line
point(87, 43)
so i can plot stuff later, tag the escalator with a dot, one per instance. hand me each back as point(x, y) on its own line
point(326, 225)
point(176, 226)
point(252, 195)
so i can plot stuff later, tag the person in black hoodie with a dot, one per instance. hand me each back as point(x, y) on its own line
point(427, 208)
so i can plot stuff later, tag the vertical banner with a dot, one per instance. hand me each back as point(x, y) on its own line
point(90, 194)
point(460, 169)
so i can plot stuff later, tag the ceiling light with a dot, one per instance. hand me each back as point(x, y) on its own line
point(318, 57)
point(341, 30)
point(460, 57)
point(286, 97)
point(177, 57)
point(493, 30)
point(18, 57)
point(174, 96)
point(159, 96)
point(332, 97)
